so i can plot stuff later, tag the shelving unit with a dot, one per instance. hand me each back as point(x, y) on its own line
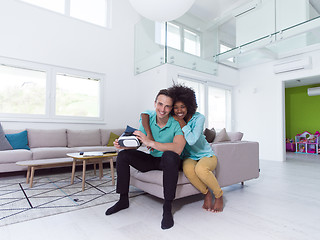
point(307, 143)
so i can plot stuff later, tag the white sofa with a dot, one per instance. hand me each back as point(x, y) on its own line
point(55, 143)
point(238, 161)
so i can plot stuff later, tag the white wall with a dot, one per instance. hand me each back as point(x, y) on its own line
point(259, 104)
point(33, 34)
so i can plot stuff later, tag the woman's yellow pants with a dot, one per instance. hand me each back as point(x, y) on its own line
point(201, 176)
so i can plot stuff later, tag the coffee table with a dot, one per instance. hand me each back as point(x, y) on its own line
point(43, 163)
point(91, 157)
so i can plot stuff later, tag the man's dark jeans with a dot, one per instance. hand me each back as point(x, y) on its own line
point(169, 163)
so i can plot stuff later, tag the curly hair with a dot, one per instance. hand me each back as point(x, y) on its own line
point(186, 95)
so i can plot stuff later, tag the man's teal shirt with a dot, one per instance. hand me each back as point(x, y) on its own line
point(162, 135)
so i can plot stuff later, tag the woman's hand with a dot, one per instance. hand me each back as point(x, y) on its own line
point(180, 120)
point(177, 118)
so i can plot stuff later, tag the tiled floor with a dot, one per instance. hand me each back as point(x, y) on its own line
point(282, 204)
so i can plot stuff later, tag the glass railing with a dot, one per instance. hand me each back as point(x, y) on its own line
point(281, 32)
point(148, 53)
point(171, 43)
point(257, 32)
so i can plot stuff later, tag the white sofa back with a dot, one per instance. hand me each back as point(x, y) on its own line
point(67, 137)
point(47, 138)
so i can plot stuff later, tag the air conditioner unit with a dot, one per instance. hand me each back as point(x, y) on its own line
point(314, 91)
point(293, 65)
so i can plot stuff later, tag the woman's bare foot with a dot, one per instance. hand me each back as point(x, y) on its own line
point(218, 205)
point(207, 201)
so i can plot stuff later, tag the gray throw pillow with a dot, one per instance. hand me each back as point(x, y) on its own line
point(222, 136)
point(4, 143)
point(235, 136)
point(209, 134)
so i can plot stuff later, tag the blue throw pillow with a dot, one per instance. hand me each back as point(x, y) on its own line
point(18, 140)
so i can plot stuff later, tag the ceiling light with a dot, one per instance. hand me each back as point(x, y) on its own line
point(162, 10)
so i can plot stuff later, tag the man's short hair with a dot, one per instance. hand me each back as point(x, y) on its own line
point(165, 92)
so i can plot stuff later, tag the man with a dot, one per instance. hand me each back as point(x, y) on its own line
point(166, 148)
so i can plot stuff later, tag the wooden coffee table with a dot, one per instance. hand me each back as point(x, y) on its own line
point(43, 163)
point(88, 158)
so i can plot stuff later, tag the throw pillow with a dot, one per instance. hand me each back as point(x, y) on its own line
point(18, 140)
point(222, 136)
point(4, 144)
point(209, 134)
point(235, 136)
point(112, 137)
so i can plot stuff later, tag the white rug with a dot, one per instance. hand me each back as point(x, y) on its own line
point(53, 194)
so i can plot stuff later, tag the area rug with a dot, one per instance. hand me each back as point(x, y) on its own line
point(54, 194)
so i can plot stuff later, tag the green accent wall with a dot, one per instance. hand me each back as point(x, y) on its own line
point(302, 111)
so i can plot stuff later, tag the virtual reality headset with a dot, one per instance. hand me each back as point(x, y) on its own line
point(127, 139)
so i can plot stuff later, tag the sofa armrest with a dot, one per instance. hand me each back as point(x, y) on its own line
point(237, 162)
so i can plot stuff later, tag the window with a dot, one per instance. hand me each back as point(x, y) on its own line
point(23, 91)
point(173, 36)
point(219, 108)
point(199, 89)
point(56, 5)
point(191, 42)
point(213, 102)
point(93, 11)
point(179, 37)
point(77, 96)
point(55, 94)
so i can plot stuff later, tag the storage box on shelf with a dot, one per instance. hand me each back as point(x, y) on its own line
point(308, 143)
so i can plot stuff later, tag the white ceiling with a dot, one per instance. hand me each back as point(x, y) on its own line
point(209, 10)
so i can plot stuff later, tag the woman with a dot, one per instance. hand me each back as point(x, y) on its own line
point(199, 159)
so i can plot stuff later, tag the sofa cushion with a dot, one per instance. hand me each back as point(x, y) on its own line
point(47, 138)
point(18, 140)
point(105, 134)
point(50, 152)
point(79, 138)
point(222, 136)
point(210, 134)
point(12, 156)
point(4, 144)
point(235, 136)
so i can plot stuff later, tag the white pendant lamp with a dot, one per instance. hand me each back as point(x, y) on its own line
point(161, 10)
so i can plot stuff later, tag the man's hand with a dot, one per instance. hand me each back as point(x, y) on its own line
point(116, 144)
point(144, 139)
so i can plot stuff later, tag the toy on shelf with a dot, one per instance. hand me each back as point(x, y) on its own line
point(290, 145)
point(308, 143)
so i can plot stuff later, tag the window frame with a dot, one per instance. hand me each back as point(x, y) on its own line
point(108, 12)
point(207, 84)
point(50, 115)
point(182, 29)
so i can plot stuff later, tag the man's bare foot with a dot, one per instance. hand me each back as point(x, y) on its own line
point(207, 201)
point(218, 205)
